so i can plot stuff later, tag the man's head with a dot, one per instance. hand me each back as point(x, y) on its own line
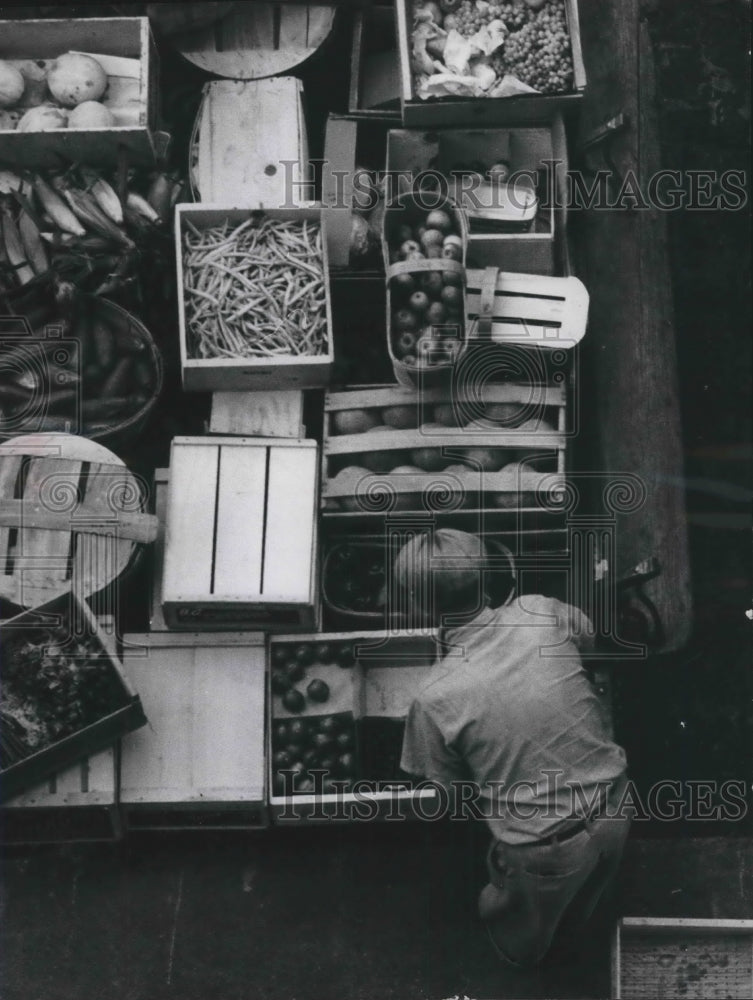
point(440, 573)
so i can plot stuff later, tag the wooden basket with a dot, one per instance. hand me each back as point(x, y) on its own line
point(35, 416)
point(431, 368)
point(71, 514)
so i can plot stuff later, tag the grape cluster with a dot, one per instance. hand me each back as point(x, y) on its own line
point(539, 54)
point(471, 17)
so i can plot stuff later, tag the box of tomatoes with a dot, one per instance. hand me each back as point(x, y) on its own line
point(337, 709)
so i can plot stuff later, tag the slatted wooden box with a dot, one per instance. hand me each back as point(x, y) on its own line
point(538, 162)
point(79, 804)
point(286, 371)
point(387, 671)
point(682, 958)
point(241, 534)
point(447, 112)
point(373, 472)
point(125, 715)
point(129, 59)
point(200, 762)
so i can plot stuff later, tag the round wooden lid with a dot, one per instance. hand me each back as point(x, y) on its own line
point(257, 40)
point(71, 516)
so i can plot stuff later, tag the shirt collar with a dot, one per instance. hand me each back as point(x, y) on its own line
point(484, 617)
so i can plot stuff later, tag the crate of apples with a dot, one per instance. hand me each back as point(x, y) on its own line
point(312, 723)
point(424, 251)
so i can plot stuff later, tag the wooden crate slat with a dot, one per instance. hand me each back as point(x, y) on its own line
point(290, 523)
point(42, 562)
point(535, 394)
point(471, 482)
point(240, 519)
point(398, 440)
point(10, 466)
point(190, 514)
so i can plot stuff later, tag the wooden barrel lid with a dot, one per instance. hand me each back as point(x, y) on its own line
point(71, 516)
point(257, 40)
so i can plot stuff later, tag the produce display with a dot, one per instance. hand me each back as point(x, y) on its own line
point(425, 284)
point(486, 48)
point(255, 290)
point(74, 224)
point(104, 371)
point(52, 686)
point(354, 578)
point(71, 91)
point(324, 742)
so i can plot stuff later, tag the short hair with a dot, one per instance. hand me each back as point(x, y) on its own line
point(440, 572)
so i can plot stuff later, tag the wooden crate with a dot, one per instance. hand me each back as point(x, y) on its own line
point(241, 534)
point(389, 669)
point(682, 958)
point(79, 804)
point(445, 112)
point(129, 57)
point(359, 489)
point(75, 615)
point(281, 372)
point(374, 90)
point(258, 414)
point(538, 160)
point(200, 763)
point(250, 146)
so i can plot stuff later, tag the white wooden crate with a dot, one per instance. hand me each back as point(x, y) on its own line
point(200, 762)
point(241, 534)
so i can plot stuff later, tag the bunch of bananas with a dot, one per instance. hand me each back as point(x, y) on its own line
point(75, 225)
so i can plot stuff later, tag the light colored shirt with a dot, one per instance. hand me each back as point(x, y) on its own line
point(511, 708)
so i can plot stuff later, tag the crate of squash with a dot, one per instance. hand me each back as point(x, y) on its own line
point(78, 365)
point(499, 447)
point(63, 695)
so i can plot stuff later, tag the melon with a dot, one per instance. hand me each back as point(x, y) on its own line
point(11, 85)
point(90, 114)
point(402, 416)
point(354, 421)
point(43, 119)
point(74, 78)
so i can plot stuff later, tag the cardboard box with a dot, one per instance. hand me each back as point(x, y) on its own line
point(125, 715)
point(128, 56)
point(200, 764)
point(534, 154)
point(446, 112)
point(241, 534)
point(285, 371)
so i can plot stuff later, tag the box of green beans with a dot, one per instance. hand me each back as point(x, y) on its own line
point(253, 298)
